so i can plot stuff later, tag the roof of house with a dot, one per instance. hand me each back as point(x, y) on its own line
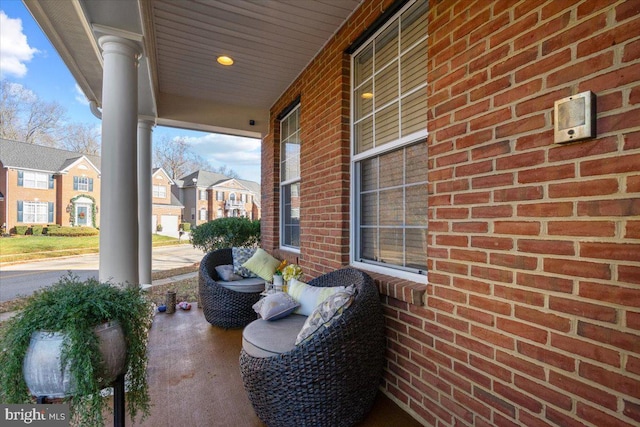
point(205, 179)
point(21, 155)
point(174, 202)
point(251, 185)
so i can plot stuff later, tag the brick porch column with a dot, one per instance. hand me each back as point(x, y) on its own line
point(119, 189)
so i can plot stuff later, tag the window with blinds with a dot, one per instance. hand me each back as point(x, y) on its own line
point(290, 180)
point(389, 151)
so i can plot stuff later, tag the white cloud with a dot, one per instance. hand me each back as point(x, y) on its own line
point(238, 153)
point(80, 96)
point(15, 51)
point(227, 149)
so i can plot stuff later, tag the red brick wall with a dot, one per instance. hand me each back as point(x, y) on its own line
point(532, 309)
point(65, 191)
point(14, 193)
point(324, 124)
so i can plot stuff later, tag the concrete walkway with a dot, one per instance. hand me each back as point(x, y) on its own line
point(9, 315)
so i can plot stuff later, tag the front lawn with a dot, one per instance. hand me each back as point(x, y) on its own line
point(25, 248)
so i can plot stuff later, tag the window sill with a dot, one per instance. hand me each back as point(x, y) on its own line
point(401, 289)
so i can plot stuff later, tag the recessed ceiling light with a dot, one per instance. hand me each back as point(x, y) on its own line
point(225, 60)
point(367, 95)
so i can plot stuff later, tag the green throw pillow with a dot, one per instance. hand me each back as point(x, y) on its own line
point(262, 264)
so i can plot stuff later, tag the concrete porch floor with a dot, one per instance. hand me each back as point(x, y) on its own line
point(194, 378)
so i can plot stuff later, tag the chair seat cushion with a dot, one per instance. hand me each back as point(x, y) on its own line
point(251, 285)
point(264, 338)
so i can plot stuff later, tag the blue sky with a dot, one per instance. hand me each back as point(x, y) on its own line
point(28, 58)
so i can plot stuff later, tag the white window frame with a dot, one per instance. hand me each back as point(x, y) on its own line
point(83, 183)
point(202, 195)
point(203, 214)
point(37, 180)
point(356, 158)
point(160, 191)
point(288, 183)
point(35, 212)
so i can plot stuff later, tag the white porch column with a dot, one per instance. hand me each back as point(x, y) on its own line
point(145, 201)
point(119, 189)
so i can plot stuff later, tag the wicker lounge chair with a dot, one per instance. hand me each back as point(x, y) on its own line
point(331, 379)
point(223, 307)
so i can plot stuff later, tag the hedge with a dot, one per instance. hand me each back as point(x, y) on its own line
point(72, 231)
point(226, 233)
point(21, 229)
point(36, 230)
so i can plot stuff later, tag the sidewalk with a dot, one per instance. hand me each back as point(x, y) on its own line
point(10, 314)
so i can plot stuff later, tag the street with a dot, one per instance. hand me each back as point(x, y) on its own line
point(23, 279)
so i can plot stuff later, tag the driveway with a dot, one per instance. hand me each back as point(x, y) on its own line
point(23, 279)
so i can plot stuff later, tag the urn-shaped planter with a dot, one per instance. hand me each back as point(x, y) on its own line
point(52, 348)
point(43, 371)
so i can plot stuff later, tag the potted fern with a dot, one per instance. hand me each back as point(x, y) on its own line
point(73, 315)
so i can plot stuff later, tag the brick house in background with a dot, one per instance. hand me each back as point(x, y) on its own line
point(166, 208)
point(209, 195)
point(45, 185)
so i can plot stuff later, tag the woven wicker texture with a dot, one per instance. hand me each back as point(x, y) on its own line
point(330, 380)
point(221, 306)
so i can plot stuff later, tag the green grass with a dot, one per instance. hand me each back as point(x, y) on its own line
point(26, 248)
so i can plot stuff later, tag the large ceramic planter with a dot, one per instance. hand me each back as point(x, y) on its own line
point(42, 368)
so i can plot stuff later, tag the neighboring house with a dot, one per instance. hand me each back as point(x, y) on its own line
point(208, 195)
point(45, 185)
point(167, 209)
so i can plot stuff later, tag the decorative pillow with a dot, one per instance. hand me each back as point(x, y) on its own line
point(326, 313)
point(226, 273)
point(309, 297)
point(275, 306)
point(262, 264)
point(240, 256)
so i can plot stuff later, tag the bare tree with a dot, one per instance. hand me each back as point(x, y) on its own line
point(26, 118)
point(227, 171)
point(9, 111)
point(81, 138)
point(176, 157)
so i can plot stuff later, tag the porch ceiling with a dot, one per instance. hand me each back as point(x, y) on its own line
point(180, 82)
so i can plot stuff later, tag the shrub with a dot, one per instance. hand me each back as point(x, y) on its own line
point(159, 227)
point(225, 233)
point(72, 231)
point(50, 227)
point(36, 230)
point(21, 229)
point(185, 226)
